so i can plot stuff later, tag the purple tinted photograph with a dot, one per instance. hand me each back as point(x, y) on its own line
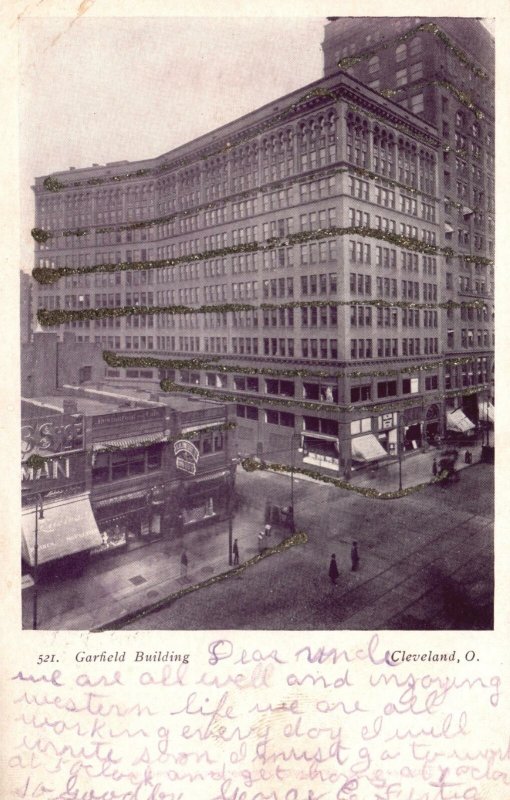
point(257, 323)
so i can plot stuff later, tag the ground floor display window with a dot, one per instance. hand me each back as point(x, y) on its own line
point(125, 529)
point(199, 509)
point(321, 452)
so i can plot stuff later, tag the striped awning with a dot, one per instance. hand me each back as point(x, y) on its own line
point(120, 498)
point(193, 428)
point(326, 437)
point(130, 442)
point(367, 448)
point(457, 421)
point(67, 526)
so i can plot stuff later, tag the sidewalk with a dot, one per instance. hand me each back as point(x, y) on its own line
point(416, 468)
point(124, 583)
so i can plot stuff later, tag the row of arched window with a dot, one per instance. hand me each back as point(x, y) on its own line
point(375, 148)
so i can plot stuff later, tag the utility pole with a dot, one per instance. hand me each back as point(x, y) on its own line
point(295, 438)
point(400, 445)
point(39, 514)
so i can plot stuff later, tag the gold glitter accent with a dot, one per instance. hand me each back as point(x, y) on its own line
point(47, 275)
point(226, 426)
point(462, 96)
point(327, 171)
point(41, 236)
point(373, 408)
point(298, 538)
point(424, 27)
point(36, 461)
point(116, 360)
point(59, 316)
point(252, 465)
point(52, 184)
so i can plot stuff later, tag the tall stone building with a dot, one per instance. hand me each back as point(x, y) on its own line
point(326, 215)
point(443, 70)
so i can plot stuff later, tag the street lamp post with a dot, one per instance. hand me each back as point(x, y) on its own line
point(295, 438)
point(229, 533)
point(487, 417)
point(230, 511)
point(400, 444)
point(39, 514)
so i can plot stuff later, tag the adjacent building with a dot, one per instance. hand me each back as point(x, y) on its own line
point(119, 469)
point(48, 364)
point(332, 216)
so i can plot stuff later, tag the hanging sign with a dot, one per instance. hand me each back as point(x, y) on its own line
point(187, 455)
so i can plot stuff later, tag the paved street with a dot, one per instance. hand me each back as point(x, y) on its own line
point(426, 562)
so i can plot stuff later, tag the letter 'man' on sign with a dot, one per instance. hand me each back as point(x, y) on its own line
point(52, 469)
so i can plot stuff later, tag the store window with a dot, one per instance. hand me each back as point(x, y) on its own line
point(361, 425)
point(127, 463)
point(101, 468)
point(154, 456)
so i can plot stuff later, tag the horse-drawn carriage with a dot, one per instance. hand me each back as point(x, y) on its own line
point(446, 465)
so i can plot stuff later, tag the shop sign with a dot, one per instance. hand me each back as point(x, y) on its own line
point(54, 472)
point(386, 421)
point(187, 455)
point(51, 434)
point(128, 417)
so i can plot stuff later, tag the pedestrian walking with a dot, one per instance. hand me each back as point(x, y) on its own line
point(354, 557)
point(184, 564)
point(468, 457)
point(267, 530)
point(333, 569)
point(434, 468)
point(235, 552)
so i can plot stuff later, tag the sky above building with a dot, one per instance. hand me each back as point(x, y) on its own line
point(107, 90)
point(103, 89)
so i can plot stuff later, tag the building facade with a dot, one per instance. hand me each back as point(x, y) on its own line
point(443, 70)
point(48, 364)
point(324, 216)
point(135, 468)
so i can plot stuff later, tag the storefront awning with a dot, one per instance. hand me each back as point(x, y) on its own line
point(117, 499)
point(486, 412)
point(457, 421)
point(326, 437)
point(212, 476)
point(193, 428)
point(130, 442)
point(367, 448)
point(448, 228)
point(68, 526)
